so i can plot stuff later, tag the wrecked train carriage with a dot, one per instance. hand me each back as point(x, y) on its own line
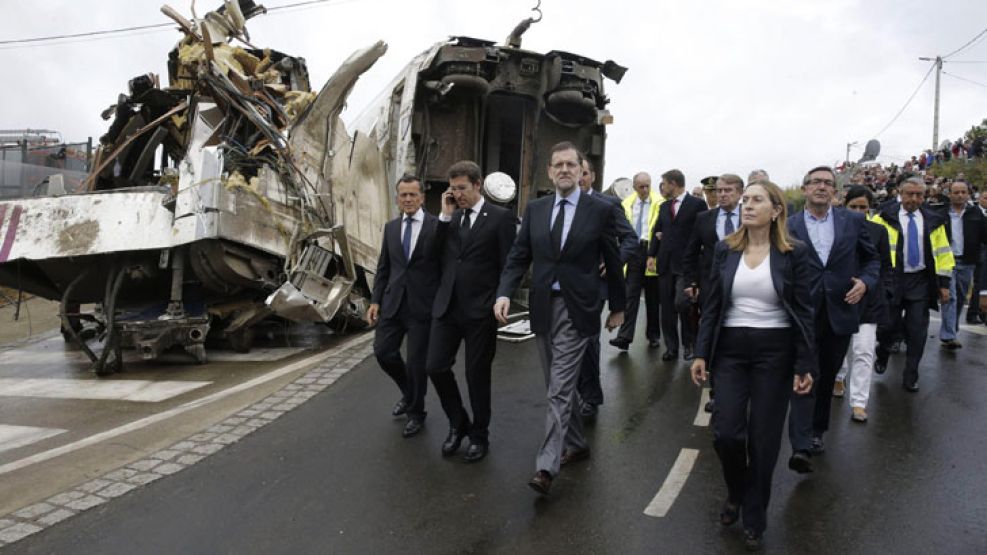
point(226, 220)
point(504, 107)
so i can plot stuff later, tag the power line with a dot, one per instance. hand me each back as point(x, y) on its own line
point(968, 43)
point(965, 79)
point(52, 38)
point(907, 102)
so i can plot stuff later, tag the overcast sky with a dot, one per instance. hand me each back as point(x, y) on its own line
point(713, 86)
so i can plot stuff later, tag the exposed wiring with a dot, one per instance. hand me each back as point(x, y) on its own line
point(907, 102)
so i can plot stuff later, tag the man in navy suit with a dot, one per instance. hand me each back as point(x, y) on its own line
point(475, 237)
point(401, 303)
point(845, 265)
point(564, 236)
point(666, 250)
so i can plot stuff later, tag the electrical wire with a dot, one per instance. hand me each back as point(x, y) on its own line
point(965, 79)
point(968, 43)
point(907, 102)
point(136, 29)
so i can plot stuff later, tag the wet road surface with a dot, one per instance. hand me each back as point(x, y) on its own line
point(335, 475)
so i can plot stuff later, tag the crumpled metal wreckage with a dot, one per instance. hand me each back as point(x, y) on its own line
point(236, 193)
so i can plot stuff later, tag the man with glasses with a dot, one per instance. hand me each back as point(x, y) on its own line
point(845, 266)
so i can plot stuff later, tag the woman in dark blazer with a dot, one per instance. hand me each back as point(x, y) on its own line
point(757, 334)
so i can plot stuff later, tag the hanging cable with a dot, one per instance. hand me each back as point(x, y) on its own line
point(968, 43)
point(907, 102)
point(965, 79)
point(137, 29)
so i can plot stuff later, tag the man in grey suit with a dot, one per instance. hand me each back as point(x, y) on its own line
point(564, 236)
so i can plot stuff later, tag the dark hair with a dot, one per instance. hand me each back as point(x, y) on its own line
point(859, 191)
point(563, 146)
point(969, 188)
point(674, 176)
point(733, 179)
point(408, 178)
point(805, 180)
point(589, 164)
point(467, 168)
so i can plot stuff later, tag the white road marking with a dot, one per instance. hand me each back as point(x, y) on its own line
point(145, 391)
point(702, 417)
point(12, 437)
point(978, 329)
point(669, 491)
point(161, 416)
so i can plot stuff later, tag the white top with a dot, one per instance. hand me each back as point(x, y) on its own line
point(754, 302)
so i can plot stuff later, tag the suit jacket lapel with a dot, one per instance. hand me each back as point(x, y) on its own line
point(478, 222)
point(424, 235)
point(778, 271)
point(729, 271)
point(838, 231)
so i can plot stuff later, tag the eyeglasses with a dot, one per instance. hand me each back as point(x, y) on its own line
point(818, 181)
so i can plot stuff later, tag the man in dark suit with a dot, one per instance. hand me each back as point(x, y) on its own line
point(845, 265)
point(923, 263)
point(974, 315)
point(565, 236)
point(401, 303)
point(967, 234)
point(590, 390)
point(475, 237)
point(711, 227)
point(676, 219)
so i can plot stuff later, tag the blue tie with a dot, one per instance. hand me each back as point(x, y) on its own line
point(913, 253)
point(406, 239)
point(728, 225)
point(640, 217)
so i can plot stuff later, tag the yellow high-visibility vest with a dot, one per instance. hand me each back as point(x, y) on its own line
point(942, 253)
point(628, 204)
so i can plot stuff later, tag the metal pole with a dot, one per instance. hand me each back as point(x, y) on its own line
point(935, 118)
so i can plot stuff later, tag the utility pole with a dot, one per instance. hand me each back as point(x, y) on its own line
point(935, 115)
point(848, 145)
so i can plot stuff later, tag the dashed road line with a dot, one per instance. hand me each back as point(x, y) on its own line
point(14, 437)
point(673, 484)
point(146, 391)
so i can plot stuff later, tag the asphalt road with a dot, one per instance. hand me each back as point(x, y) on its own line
point(335, 476)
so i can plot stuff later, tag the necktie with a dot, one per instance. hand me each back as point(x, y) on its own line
point(464, 226)
point(913, 252)
point(406, 238)
point(674, 200)
point(728, 226)
point(640, 218)
point(557, 227)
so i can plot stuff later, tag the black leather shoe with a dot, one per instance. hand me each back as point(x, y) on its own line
point(709, 406)
point(654, 343)
point(729, 513)
point(400, 408)
point(753, 541)
point(541, 482)
point(818, 447)
point(453, 440)
point(588, 410)
point(621, 344)
point(670, 355)
point(476, 452)
point(880, 366)
point(801, 462)
point(911, 387)
point(687, 353)
point(413, 427)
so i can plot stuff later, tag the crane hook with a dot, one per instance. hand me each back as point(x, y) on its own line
point(537, 9)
